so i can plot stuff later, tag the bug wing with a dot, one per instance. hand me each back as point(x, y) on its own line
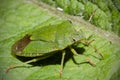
point(61, 35)
point(39, 48)
point(50, 39)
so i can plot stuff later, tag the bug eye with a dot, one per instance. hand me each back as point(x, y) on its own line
point(74, 39)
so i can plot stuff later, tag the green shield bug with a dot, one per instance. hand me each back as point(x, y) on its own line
point(47, 41)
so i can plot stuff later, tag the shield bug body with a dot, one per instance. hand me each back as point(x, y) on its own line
point(46, 41)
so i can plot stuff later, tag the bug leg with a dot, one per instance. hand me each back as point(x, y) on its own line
point(90, 62)
point(62, 63)
point(21, 65)
point(73, 51)
point(96, 50)
point(86, 60)
point(87, 42)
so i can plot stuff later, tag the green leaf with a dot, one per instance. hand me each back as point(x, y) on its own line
point(17, 18)
point(105, 13)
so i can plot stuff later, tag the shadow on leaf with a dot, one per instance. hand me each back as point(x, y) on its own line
point(54, 59)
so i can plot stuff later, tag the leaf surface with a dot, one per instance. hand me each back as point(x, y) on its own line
point(21, 17)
